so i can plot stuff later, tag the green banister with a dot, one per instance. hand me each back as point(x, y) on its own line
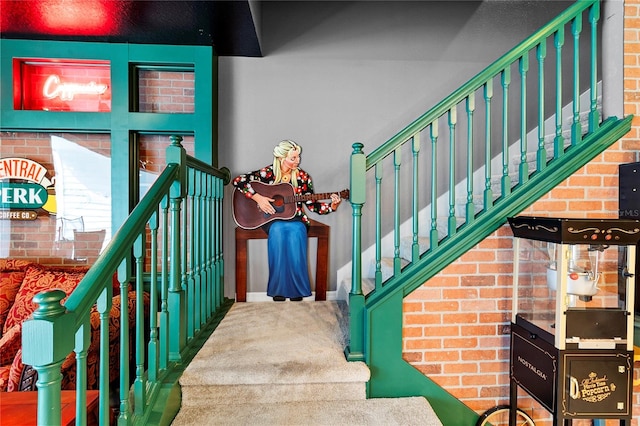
point(376, 320)
point(161, 208)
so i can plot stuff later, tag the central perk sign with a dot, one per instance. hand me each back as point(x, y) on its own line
point(24, 189)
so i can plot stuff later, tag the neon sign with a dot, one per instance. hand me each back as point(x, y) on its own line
point(54, 88)
point(62, 85)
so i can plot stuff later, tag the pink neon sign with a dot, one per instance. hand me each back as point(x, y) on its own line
point(53, 85)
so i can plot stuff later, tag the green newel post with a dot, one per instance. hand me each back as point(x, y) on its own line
point(46, 342)
point(177, 320)
point(357, 197)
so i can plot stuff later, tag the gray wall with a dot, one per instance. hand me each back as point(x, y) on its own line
point(335, 73)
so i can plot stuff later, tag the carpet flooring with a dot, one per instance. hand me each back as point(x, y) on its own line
point(283, 363)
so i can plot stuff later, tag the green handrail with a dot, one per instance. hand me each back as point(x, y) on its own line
point(181, 275)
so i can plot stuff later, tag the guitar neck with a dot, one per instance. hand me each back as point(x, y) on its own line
point(307, 197)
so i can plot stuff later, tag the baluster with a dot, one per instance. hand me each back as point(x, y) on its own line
point(153, 301)
point(506, 180)
point(198, 251)
point(103, 306)
point(218, 241)
point(164, 287)
point(188, 254)
point(123, 279)
point(559, 140)
point(541, 51)
point(594, 115)
point(378, 269)
point(83, 339)
point(139, 385)
point(471, 210)
point(453, 118)
point(524, 165)
point(576, 127)
point(434, 237)
point(195, 252)
point(397, 261)
point(177, 302)
point(208, 218)
point(211, 230)
point(201, 239)
point(415, 247)
point(488, 191)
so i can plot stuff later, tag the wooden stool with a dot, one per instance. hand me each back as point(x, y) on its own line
point(20, 408)
point(316, 230)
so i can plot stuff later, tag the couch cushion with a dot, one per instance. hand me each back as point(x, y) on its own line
point(14, 264)
point(9, 285)
point(10, 342)
point(37, 279)
point(4, 378)
point(13, 381)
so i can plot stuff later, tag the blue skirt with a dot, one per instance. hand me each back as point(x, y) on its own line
point(288, 266)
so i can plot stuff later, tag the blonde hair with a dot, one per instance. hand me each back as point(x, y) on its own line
point(279, 153)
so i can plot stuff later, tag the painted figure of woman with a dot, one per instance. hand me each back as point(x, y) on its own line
point(287, 239)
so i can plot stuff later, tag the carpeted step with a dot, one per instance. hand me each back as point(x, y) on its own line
point(260, 350)
point(377, 411)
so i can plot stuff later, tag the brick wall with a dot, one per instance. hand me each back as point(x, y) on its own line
point(456, 326)
point(168, 92)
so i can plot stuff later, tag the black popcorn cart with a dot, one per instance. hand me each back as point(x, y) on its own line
point(572, 320)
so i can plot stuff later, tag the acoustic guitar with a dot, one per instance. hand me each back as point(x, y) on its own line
point(248, 216)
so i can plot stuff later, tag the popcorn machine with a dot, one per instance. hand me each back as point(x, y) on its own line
point(572, 319)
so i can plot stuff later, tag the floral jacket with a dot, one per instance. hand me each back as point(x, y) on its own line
point(305, 186)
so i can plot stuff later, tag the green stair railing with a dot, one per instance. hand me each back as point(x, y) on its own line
point(486, 152)
point(170, 249)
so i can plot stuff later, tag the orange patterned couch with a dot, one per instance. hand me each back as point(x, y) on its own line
point(20, 280)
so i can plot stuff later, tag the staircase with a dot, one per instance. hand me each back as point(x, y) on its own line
point(283, 363)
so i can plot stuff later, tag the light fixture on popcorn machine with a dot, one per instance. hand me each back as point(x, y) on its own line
point(582, 273)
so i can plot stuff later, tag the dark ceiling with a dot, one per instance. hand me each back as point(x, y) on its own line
point(226, 25)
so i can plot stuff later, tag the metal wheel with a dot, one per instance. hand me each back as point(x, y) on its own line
point(499, 416)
